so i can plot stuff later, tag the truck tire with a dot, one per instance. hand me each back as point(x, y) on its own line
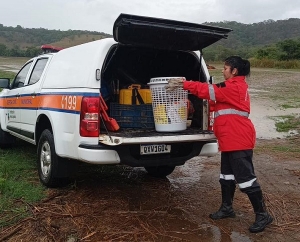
point(49, 163)
point(159, 171)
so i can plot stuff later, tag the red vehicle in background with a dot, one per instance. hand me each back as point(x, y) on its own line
point(50, 49)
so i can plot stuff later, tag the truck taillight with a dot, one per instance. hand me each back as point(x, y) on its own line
point(211, 108)
point(89, 117)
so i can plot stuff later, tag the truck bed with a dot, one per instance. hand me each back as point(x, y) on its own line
point(153, 132)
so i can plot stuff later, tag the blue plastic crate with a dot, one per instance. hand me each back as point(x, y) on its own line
point(132, 116)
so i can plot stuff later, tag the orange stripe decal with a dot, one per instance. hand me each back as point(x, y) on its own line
point(63, 102)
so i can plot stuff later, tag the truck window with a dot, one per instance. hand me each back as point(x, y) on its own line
point(21, 76)
point(37, 71)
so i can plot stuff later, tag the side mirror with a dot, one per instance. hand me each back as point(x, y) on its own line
point(4, 83)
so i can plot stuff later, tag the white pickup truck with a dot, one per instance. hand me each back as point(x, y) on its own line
point(54, 100)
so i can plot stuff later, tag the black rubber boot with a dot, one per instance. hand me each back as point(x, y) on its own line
point(226, 210)
point(262, 217)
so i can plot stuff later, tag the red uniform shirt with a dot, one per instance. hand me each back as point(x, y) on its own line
point(233, 131)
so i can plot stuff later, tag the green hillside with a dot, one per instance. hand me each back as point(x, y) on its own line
point(248, 40)
point(19, 41)
point(26, 37)
point(259, 34)
point(276, 40)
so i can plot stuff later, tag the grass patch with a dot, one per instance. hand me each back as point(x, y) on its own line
point(287, 99)
point(286, 106)
point(19, 184)
point(287, 148)
point(7, 74)
point(12, 61)
point(281, 148)
point(286, 123)
point(282, 87)
point(269, 63)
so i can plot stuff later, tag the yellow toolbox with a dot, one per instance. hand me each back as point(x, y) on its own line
point(135, 95)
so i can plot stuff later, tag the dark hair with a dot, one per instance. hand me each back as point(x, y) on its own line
point(242, 66)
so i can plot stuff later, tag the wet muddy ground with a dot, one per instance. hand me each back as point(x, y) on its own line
point(125, 204)
point(115, 203)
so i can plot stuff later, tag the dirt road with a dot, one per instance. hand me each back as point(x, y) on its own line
point(124, 204)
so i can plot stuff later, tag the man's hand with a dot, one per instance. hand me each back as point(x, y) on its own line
point(174, 83)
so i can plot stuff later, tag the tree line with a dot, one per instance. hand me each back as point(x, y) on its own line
point(277, 40)
point(282, 51)
point(285, 50)
point(26, 42)
point(16, 51)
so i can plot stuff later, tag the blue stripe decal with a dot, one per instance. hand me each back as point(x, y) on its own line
point(60, 110)
point(49, 109)
point(85, 94)
point(19, 108)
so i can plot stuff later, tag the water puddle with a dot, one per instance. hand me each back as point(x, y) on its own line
point(186, 182)
point(263, 117)
point(173, 225)
point(189, 174)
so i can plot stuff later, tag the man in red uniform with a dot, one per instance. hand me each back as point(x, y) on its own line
point(236, 137)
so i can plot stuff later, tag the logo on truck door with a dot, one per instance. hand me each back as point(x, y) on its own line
point(11, 115)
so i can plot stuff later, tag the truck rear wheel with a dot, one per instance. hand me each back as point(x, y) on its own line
point(48, 162)
point(159, 171)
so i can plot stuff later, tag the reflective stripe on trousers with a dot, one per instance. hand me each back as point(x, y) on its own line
point(227, 177)
point(231, 111)
point(241, 185)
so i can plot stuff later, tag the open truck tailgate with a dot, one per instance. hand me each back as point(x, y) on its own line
point(165, 34)
point(149, 136)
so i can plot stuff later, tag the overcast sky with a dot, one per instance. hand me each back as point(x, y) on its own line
point(99, 15)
